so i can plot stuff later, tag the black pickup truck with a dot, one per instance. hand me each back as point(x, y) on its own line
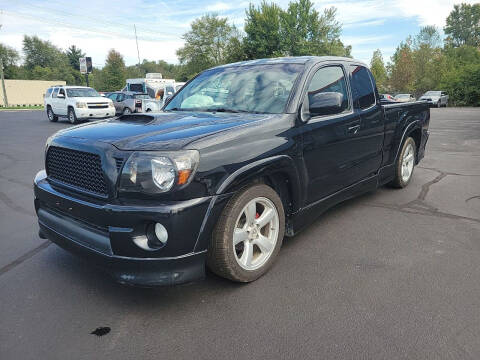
point(243, 155)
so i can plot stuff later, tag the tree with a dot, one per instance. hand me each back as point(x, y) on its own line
point(113, 75)
point(41, 53)
point(402, 68)
point(463, 25)
point(210, 42)
point(378, 70)
point(74, 54)
point(10, 58)
point(299, 30)
point(263, 31)
point(428, 60)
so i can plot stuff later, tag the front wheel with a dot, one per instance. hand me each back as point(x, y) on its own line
point(72, 117)
point(248, 235)
point(51, 116)
point(127, 111)
point(405, 164)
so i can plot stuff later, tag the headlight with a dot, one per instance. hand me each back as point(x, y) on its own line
point(110, 104)
point(81, 105)
point(158, 172)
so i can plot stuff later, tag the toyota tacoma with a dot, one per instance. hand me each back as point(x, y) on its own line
point(243, 155)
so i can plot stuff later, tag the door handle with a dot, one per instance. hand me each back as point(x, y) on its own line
point(353, 129)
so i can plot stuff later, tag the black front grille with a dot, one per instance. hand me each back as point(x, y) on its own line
point(97, 105)
point(76, 168)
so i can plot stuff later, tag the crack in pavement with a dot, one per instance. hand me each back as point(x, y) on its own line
point(473, 197)
point(24, 257)
point(420, 206)
point(12, 206)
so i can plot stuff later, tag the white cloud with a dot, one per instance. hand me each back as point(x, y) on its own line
point(426, 12)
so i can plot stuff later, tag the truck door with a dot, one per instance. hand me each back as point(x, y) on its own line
point(61, 102)
point(371, 132)
point(54, 100)
point(330, 143)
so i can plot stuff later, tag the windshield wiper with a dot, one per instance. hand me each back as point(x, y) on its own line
point(223, 110)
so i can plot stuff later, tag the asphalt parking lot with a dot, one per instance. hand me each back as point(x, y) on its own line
point(393, 274)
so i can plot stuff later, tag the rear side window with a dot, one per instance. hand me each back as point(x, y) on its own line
point(362, 87)
point(55, 92)
point(330, 79)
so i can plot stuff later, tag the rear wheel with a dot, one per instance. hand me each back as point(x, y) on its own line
point(71, 116)
point(51, 116)
point(405, 164)
point(248, 235)
point(127, 111)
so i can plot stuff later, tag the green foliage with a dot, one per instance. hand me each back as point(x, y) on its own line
point(299, 30)
point(379, 71)
point(210, 42)
point(402, 68)
point(462, 85)
point(263, 31)
point(113, 75)
point(41, 53)
point(10, 59)
point(74, 54)
point(463, 25)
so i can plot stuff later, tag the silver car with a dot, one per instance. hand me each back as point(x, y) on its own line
point(435, 98)
point(404, 98)
point(127, 102)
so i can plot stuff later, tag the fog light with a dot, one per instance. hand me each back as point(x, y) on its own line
point(155, 238)
point(161, 233)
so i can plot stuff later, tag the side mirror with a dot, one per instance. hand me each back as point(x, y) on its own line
point(62, 96)
point(325, 103)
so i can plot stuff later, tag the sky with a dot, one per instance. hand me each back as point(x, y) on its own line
point(97, 25)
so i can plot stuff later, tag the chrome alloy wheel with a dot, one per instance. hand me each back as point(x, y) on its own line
point(408, 162)
point(256, 233)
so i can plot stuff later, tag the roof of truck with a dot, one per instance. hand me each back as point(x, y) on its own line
point(293, 60)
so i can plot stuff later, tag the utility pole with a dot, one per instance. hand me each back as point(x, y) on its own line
point(5, 100)
point(136, 40)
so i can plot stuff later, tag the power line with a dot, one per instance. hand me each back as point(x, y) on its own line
point(97, 20)
point(77, 27)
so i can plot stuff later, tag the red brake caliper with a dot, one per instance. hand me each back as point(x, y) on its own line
point(257, 215)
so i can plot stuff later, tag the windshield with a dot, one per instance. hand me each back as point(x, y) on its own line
point(82, 92)
point(141, 96)
point(256, 89)
point(432, 93)
point(402, 96)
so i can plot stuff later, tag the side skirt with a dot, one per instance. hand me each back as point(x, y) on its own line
point(311, 212)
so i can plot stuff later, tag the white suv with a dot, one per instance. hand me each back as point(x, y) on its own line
point(77, 103)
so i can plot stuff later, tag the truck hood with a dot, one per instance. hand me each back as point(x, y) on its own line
point(161, 131)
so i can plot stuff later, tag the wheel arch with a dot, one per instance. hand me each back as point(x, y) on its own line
point(278, 172)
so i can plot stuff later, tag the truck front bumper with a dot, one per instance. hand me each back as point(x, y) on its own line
point(104, 234)
point(86, 113)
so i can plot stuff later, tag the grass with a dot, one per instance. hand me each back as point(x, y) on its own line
point(22, 107)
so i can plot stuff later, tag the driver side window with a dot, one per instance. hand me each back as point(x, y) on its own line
point(330, 79)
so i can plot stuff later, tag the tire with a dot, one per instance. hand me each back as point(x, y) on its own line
point(126, 111)
point(404, 165)
point(72, 117)
point(50, 115)
point(439, 104)
point(236, 262)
